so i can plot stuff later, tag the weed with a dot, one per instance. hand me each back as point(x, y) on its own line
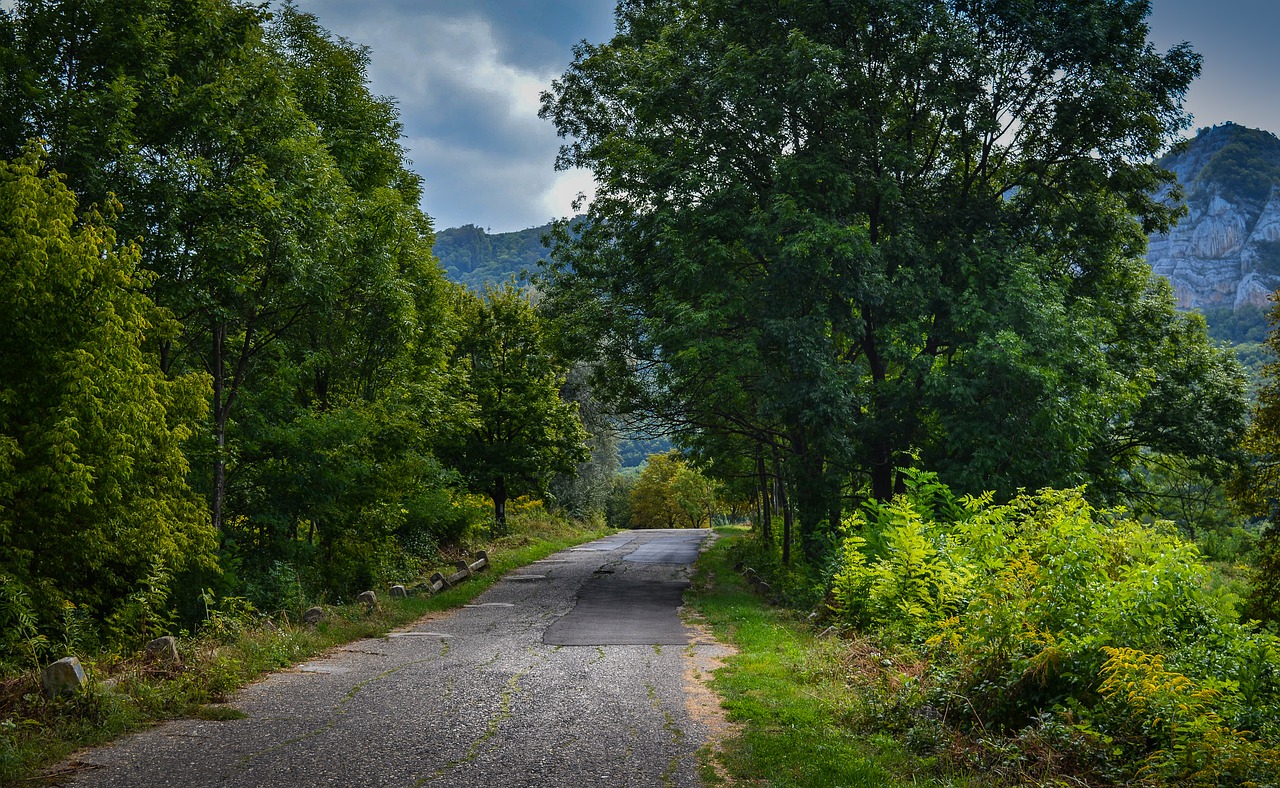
point(790, 691)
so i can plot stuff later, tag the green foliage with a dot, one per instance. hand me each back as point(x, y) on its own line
point(617, 511)
point(21, 639)
point(1046, 611)
point(1247, 163)
point(1254, 358)
point(634, 452)
point(342, 494)
point(1246, 325)
point(146, 613)
point(791, 696)
point(279, 220)
point(842, 252)
point(671, 494)
point(584, 491)
point(475, 258)
point(227, 618)
point(1256, 489)
point(1198, 745)
point(519, 433)
point(1194, 498)
point(93, 489)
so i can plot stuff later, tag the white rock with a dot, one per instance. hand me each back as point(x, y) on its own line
point(1211, 256)
point(65, 675)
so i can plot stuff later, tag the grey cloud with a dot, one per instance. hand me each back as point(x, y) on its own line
point(466, 72)
point(482, 185)
point(533, 33)
point(466, 76)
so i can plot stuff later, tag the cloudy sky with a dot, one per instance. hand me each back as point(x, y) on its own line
point(467, 74)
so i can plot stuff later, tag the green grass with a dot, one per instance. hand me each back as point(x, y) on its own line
point(786, 693)
point(130, 692)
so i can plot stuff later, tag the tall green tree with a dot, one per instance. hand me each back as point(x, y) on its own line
point(884, 230)
point(93, 489)
point(189, 118)
point(585, 490)
point(334, 454)
point(272, 199)
point(521, 432)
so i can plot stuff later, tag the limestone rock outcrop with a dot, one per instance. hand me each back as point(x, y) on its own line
point(1226, 251)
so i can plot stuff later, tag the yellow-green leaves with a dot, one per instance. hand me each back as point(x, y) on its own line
point(671, 494)
point(94, 487)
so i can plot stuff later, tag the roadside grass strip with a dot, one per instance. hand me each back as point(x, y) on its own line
point(790, 712)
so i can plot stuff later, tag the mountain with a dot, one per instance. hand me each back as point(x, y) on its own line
point(474, 257)
point(1225, 253)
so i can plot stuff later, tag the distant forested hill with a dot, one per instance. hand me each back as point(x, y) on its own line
point(474, 257)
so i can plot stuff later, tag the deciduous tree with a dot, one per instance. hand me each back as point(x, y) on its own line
point(884, 230)
point(521, 433)
point(671, 494)
point(93, 488)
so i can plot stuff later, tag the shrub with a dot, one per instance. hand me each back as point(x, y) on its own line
point(1048, 614)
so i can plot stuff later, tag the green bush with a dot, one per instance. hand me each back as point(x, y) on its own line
point(20, 641)
point(1046, 617)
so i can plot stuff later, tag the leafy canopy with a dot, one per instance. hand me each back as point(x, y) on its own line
point(520, 432)
point(671, 494)
point(93, 489)
point(886, 230)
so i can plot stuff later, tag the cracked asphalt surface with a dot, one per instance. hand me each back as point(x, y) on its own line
point(568, 672)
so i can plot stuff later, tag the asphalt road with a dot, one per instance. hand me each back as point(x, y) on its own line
point(573, 671)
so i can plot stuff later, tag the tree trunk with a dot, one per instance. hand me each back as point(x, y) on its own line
point(218, 368)
point(787, 521)
point(783, 505)
point(882, 473)
point(499, 496)
point(814, 494)
point(766, 511)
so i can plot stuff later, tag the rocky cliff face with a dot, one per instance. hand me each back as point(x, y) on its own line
point(1226, 251)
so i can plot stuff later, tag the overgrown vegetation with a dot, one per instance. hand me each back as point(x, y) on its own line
point(269, 391)
point(1036, 641)
point(790, 691)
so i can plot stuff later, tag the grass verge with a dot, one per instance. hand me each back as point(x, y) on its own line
point(784, 689)
point(126, 693)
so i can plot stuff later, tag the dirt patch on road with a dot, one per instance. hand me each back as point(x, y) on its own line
point(703, 656)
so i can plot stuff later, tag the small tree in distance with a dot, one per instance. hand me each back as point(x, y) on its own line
point(670, 494)
point(520, 432)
